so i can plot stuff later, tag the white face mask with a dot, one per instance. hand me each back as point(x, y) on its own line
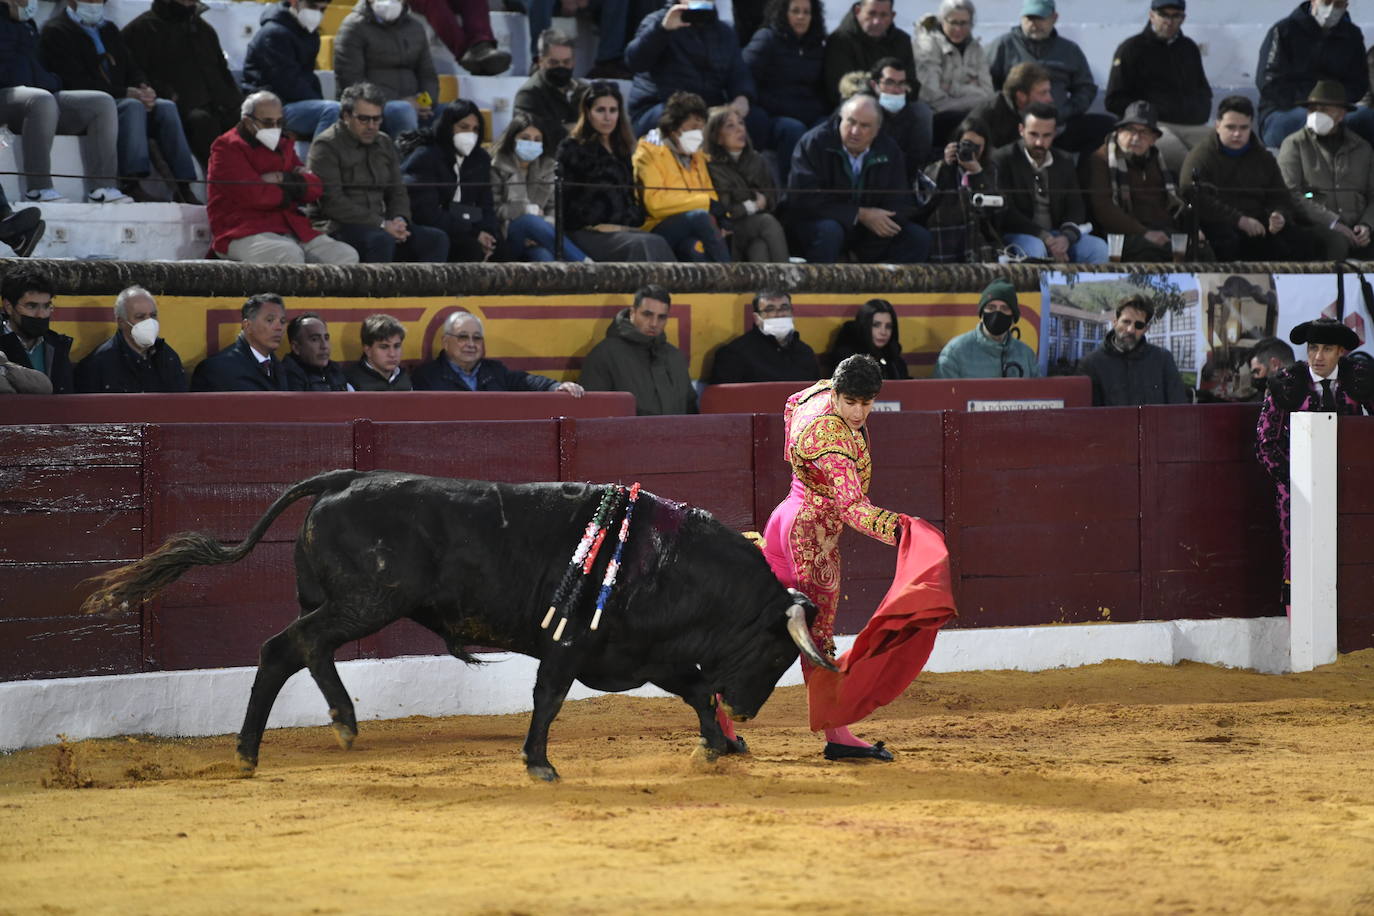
point(309, 19)
point(27, 13)
point(269, 137)
point(1321, 123)
point(892, 102)
point(465, 142)
point(90, 13)
point(777, 328)
point(689, 141)
point(1326, 15)
point(145, 332)
point(387, 10)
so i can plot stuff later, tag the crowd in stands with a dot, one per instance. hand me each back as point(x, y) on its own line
point(762, 143)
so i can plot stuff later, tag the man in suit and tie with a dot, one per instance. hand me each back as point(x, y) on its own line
point(249, 363)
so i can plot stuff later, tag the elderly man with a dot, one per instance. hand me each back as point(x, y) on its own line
point(1318, 40)
point(1127, 371)
point(281, 58)
point(257, 189)
point(1026, 83)
point(990, 350)
point(25, 337)
point(1071, 79)
point(308, 366)
point(134, 359)
point(380, 368)
point(1044, 214)
point(463, 366)
point(365, 203)
point(1270, 357)
point(770, 351)
point(849, 194)
point(550, 95)
point(636, 357)
point(1330, 169)
point(249, 363)
point(1131, 190)
point(1163, 66)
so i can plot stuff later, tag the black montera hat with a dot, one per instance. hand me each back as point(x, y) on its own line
point(1325, 331)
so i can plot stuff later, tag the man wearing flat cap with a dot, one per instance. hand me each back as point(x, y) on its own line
point(1328, 380)
point(990, 350)
point(1330, 169)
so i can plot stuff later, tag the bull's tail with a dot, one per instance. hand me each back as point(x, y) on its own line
point(123, 588)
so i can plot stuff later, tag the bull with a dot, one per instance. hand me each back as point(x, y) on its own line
point(695, 609)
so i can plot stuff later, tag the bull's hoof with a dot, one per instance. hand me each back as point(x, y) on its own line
point(247, 765)
point(543, 774)
point(704, 753)
point(344, 734)
point(736, 745)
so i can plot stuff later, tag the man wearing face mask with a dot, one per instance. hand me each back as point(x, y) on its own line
point(1330, 169)
point(905, 118)
point(25, 337)
point(990, 350)
point(1269, 357)
point(379, 43)
point(281, 59)
point(770, 351)
point(1126, 371)
point(134, 359)
point(257, 189)
point(1317, 41)
point(549, 96)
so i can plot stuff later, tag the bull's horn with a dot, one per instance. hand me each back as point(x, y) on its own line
point(801, 635)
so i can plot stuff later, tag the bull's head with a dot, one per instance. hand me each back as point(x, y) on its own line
point(799, 616)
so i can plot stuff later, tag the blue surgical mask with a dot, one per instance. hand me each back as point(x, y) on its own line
point(90, 13)
point(892, 102)
point(529, 150)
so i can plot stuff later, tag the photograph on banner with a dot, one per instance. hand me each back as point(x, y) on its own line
point(1308, 296)
point(1238, 312)
point(1080, 309)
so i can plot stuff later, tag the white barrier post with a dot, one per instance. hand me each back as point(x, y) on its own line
point(1312, 484)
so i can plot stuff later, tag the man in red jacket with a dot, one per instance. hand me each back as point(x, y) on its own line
point(257, 187)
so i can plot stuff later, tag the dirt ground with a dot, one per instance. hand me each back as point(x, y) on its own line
point(1118, 788)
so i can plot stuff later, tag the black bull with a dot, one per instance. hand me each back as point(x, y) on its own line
point(695, 609)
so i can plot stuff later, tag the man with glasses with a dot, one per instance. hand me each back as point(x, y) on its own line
point(770, 351)
point(1163, 66)
point(905, 119)
point(463, 366)
point(1126, 371)
point(257, 189)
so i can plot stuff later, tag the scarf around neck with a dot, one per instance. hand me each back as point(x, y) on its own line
point(1118, 168)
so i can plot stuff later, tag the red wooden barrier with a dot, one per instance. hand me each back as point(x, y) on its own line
point(1355, 562)
point(912, 394)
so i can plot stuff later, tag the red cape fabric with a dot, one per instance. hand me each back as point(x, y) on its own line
point(896, 643)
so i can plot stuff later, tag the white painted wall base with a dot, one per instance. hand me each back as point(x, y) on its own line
point(211, 702)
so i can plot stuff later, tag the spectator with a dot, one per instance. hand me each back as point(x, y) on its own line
point(961, 230)
point(1026, 83)
point(1127, 371)
point(249, 363)
point(134, 359)
point(1330, 169)
point(448, 178)
point(364, 202)
point(1071, 79)
point(25, 337)
point(602, 212)
point(308, 366)
point(463, 366)
point(770, 351)
point(613, 19)
point(16, 379)
point(257, 189)
point(1243, 205)
point(679, 198)
point(1269, 357)
point(951, 65)
point(905, 119)
point(786, 57)
point(1317, 41)
point(1044, 214)
point(22, 230)
point(1162, 66)
point(379, 44)
point(281, 59)
point(182, 56)
point(33, 105)
point(872, 330)
point(746, 188)
point(86, 52)
point(523, 172)
point(549, 96)
point(848, 192)
point(866, 35)
point(380, 368)
point(636, 357)
point(990, 350)
point(1131, 190)
point(464, 26)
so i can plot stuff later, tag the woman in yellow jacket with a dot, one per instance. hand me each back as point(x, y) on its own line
point(678, 193)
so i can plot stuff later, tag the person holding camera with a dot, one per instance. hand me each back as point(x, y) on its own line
point(957, 217)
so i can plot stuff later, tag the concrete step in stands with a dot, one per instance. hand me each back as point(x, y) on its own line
point(125, 232)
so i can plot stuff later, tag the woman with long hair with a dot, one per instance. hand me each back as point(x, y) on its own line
point(448, 178)
point(602, 210)
point(787, 59)
point(746, 187)
point(872, 331)
point(522, 173)
point(678, 194)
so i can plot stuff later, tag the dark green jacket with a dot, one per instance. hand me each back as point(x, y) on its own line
point(650, 368)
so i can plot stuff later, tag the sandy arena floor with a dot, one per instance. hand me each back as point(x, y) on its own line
point(1118, 788)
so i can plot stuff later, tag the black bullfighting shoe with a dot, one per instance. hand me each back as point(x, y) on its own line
point(835, 751)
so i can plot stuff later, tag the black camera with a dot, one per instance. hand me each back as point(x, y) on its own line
point(699, 13)
point(967, 151)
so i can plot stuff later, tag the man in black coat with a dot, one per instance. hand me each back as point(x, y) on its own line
point(25, 338)
point(770, 351)
point(1026, 82)
point(1127, 371)
point(135, 359)
point(550, 95)
point(281, 59)
point(463, 365)
point(249, 363)
point(308, 366)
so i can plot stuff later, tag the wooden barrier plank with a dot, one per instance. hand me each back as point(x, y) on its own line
point(510, 451)
point(71, 536)
point(266, 575)
point(1208, 516)
point(1034, 600)
point(46, 589)
point(115, 444)
point(94, 488)
point(1099, 436)
point(1033, 548)
point(1183, 594)
point(69, 647)
point(253, 452)
point(1355, 544)
point(217, 637)
point(1355, 611)
point(404, 637)
point(1209, 433)
point(227, 510)
point(1048, 494)
point(772, 474)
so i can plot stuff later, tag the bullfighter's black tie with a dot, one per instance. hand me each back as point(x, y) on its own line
point(1328, 397)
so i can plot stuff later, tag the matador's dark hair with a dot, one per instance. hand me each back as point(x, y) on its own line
point(858, 376)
